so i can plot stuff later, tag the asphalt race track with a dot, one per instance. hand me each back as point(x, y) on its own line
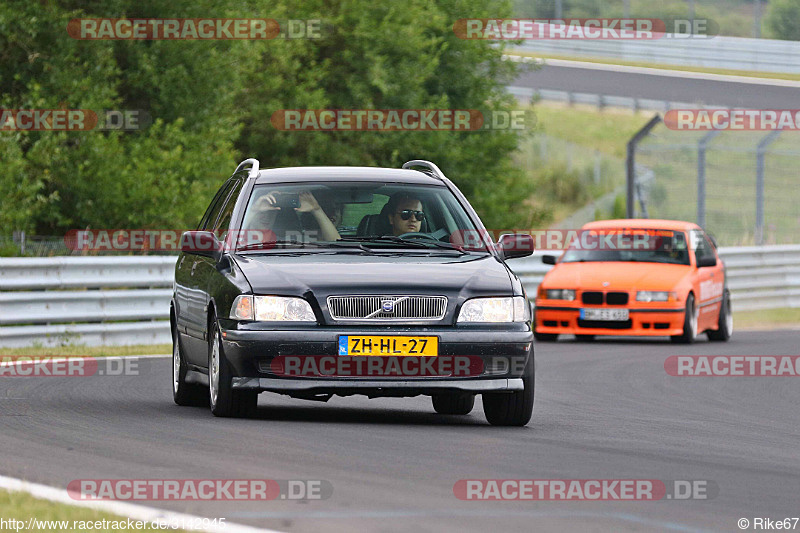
point(605, 410)
point(670, 88)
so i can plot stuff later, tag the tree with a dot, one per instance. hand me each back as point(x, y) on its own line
point(387, 55)
point(783, 19)
point(162, 176)
point(211, 103)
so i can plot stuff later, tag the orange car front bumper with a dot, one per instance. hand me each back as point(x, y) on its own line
point(642, 321)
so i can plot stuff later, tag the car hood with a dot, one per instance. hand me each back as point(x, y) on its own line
point(322, 275)
point(616, 275)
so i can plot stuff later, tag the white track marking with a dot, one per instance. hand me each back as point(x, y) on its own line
point(128, 510)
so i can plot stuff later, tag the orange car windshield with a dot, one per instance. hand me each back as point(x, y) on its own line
point(641, 245)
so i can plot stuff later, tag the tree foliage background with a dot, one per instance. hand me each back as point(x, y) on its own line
point(211, 103)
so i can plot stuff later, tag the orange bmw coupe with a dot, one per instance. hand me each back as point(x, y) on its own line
point(636, 277)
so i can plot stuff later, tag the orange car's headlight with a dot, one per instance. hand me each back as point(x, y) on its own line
point(656, 296)
point(557, 294)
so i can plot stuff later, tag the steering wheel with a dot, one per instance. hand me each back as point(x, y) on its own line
point(418, 235)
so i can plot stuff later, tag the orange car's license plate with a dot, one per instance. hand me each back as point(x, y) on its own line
point(385, 345)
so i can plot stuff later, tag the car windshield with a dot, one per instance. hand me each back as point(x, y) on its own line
point(640, 245)
point(365, 215)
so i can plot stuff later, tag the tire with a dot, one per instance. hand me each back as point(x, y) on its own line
point(453, 404)
point(689, 323)
point(224, 401)
point(584, 338)
point(725, 322)
point(545, 337)
point(185, 394)
point(514, 408)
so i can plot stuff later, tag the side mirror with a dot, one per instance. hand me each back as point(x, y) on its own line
point(515, 245)
point(203, 243)
point(706, 261)
point(549, 259)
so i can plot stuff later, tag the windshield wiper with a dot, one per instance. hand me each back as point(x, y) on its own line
point(393, 239)
point(269, 245)
point(286, 245)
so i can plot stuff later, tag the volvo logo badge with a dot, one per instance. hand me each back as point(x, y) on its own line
point(387, 306)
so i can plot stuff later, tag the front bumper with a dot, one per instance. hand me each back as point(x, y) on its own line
point(250, 349)
point(644, 321)
point(377, 387)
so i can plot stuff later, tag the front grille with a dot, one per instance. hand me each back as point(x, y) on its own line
point(617, 298)
point(592, 297)
point(611, 298)
point(387, 308)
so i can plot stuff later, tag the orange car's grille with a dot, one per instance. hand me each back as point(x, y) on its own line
point(610, 298)
point(592, 297)
point(617, 298)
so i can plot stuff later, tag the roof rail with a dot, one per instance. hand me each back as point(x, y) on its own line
point(431, 167)
point(253, 167)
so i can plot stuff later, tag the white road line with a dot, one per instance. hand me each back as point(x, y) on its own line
point(128, 510)
point(662, 72)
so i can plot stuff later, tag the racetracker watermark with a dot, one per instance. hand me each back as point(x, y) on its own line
point(73, 120)
point(733, 365)
point(193, 29)
point(167, 240)
point(401, 120)
point(623, 29)
point(733, 119)
point(584, 489)
point(382, 366)
point(199, 489)
point(58, 366)
point(563, 239)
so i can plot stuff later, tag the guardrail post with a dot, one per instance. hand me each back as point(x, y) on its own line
point(760, 153)
point(701, 176)
point(630, 164)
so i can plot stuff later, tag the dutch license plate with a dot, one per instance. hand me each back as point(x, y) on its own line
point(604, 314)
point(384, 345)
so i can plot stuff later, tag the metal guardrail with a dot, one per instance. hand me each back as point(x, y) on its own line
point(109, 301)
point(734, 53)
point(599, 100)
point(125, 300)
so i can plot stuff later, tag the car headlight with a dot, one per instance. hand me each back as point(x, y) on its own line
point(655, 296)
point(272, 309)
point(560, 294)
point(513, 309)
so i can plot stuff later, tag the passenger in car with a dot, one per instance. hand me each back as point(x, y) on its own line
point(266, 214)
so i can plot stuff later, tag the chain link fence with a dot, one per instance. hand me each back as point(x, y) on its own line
point(586, 184)
point(741, 186)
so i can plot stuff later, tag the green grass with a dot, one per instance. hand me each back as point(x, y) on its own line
point(607, 131)
point(767, 318)
point(578, 132)
point(708, 70)
point(570, 144)
point(22, 506)
point(93, 351)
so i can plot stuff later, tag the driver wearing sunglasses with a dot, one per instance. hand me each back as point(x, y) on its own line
point(405, 213)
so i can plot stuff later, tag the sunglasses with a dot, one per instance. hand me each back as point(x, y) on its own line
point(405, 214)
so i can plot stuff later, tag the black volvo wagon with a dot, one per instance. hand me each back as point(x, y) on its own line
point(321, 281)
